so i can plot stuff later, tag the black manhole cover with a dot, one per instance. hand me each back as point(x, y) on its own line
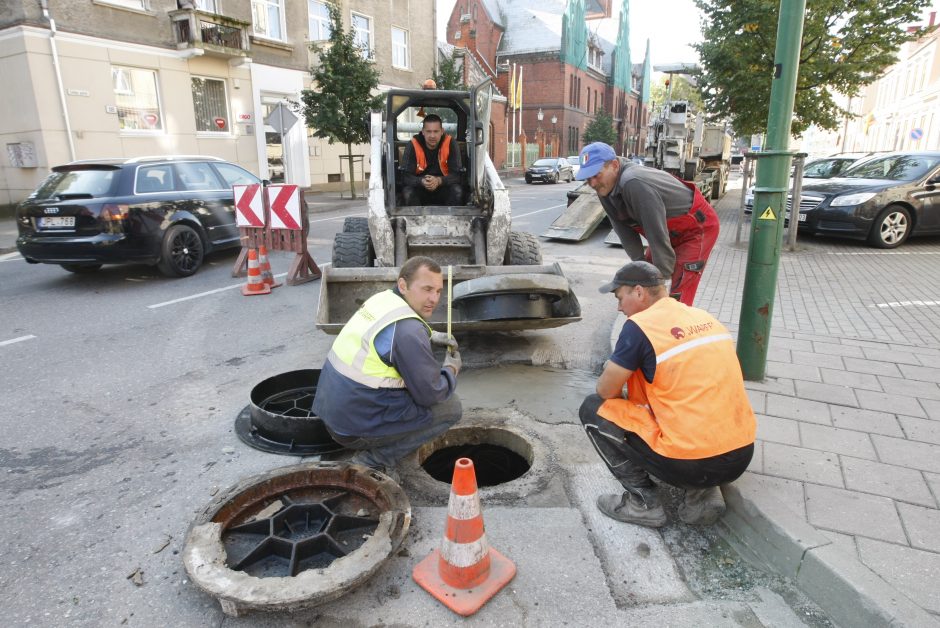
point(280, 417)
point(493, 464)
point(296, 537)
point(299, 536)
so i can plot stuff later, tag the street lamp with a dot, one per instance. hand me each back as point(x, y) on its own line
point(555, 149)
point(540, 117)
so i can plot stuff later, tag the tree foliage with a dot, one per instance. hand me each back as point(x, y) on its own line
point(448, 75)
point(338, 106)
point(682, 89)
point(845, 46)
point(600, 129)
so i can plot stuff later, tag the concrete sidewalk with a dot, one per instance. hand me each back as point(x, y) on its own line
point(844, 489)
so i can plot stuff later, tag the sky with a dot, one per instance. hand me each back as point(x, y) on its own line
point(672, 26)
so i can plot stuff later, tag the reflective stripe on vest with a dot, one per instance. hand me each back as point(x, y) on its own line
point(353, 353)
point(443, 154)
point(696, 406)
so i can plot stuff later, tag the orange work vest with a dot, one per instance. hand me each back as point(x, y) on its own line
point(443, 154)
point(696, 406)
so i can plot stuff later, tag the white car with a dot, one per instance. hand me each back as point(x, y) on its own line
point(575, 163)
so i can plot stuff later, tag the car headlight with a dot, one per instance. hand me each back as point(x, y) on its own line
point(852, 199)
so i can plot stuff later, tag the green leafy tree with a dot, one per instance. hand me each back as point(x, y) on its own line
point(338, 107)
point(448, 75)
point(600, 129)
point(846, 46)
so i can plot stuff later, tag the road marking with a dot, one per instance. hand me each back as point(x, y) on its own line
point(882, 252)
point(343, 217)
point(906, 304)
point(9, 257)
point(211, 292)
point(15, 340)
point(539, 211)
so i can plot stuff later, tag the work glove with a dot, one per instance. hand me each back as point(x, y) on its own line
point(443, 339)
point(452, 360)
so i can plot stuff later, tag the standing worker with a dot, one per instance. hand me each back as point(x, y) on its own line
point(431, 166)
point(381, 391)
point(679, 224)
point(686, 419)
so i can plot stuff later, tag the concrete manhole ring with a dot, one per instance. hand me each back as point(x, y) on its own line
point(483, 429)
point(296, 537)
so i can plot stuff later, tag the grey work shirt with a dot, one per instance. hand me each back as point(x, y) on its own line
point(647, 198)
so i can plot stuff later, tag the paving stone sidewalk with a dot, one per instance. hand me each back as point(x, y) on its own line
point(844, 490)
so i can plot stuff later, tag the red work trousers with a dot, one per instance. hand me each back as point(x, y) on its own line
point(692, 236)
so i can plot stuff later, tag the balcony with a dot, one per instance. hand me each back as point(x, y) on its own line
point(215, 35)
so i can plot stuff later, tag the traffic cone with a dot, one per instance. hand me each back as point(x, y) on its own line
point(255, 284)
point(465, 572)
point(266, 275)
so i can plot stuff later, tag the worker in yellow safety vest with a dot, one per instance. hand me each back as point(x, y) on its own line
point(381, 391)
point(685, 419)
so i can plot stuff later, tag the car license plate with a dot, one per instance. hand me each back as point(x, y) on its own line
point(56, 222)
point(802, 218)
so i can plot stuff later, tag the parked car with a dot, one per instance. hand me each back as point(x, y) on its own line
point(883, 200)
point(822, 168)
point(574, 162)
point(167, 211)
point(549, 170)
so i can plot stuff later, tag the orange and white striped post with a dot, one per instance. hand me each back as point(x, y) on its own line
point(266, 275)
point(465, 572)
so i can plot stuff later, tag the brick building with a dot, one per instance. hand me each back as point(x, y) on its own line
point(569, 72)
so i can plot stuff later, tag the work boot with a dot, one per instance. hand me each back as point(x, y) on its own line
point(702, 506)
point(642, 507)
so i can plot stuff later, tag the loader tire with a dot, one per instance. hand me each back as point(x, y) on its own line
point(523, 249)
point(352, 250)
point(356, 224)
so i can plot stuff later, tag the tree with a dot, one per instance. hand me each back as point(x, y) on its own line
point(600, 129)
point(448, 75)
point(846, 46)
point(682, 89)
point(338, 108)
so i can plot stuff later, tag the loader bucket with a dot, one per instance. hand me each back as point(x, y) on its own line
point(486, 298)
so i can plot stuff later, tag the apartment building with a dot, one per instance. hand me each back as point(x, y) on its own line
point(123, 78)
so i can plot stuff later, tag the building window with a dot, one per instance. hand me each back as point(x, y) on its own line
point(137, 99)
point(320, 25)
point(209, 6)
point(266, 16)
point(400, 57)
point(210, 105)
point(140, 5)
point(362, 33)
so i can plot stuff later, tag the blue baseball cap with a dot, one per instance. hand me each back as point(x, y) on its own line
point(592, 159)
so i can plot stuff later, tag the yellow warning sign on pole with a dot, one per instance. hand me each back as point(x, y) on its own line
point(768, 215)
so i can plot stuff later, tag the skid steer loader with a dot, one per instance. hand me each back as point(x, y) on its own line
point(499, 281)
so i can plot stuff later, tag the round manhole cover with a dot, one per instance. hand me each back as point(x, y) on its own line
point(296, 537)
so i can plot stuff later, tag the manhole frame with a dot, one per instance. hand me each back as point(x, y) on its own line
point(204, 555)
point(469, 431)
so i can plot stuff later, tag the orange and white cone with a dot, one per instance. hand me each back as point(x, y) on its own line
point(465, 572)
point(266, 275)
point(255, 284)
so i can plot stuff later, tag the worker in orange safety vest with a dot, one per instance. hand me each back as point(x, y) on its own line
point(685, 419)
point(431, 167)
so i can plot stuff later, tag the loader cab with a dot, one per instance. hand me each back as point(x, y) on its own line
point(404, 115)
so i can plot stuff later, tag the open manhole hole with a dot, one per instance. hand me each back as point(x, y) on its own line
point(296, 537)
point(280, 420)
point(509, 463)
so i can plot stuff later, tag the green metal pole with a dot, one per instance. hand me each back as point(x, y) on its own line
point(770, 197)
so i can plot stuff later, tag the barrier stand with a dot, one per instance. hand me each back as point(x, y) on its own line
point(276, 219)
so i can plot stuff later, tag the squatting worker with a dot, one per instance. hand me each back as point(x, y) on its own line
point(382, 391)
point(686, 418)
point(431, 167)
point(679, 224)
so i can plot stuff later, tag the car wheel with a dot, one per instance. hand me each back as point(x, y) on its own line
point(81, 269)
point(528, 180)
point(182, 252)
point(891, 227)
point(554, 178)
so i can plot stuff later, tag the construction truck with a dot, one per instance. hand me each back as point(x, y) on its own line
point(498, 280)
point(680, 142)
